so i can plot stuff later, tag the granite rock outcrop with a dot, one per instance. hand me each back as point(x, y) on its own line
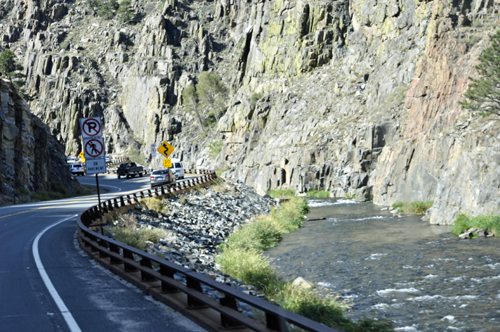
point(30, 157)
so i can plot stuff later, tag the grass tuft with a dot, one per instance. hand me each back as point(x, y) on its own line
point(156, 204)
point(137, 237)
point(281, 193)
point(417, 207)
point(463, 223)
point(318, 194)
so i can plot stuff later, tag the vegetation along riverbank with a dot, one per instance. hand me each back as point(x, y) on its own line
point(222, 231)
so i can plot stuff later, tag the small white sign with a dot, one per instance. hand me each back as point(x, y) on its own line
point(95, 166)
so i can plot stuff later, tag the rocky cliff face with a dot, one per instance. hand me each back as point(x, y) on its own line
point(30, 157)
point(355, 97)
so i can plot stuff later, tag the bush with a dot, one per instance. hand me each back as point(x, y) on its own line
point(463, 223)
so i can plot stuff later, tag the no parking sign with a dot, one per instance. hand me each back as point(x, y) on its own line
point(91, 127)
point(93, 143)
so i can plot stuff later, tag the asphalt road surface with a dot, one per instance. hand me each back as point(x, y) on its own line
point(48, 283)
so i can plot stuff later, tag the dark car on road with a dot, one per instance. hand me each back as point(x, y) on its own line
point(129, 170)
point(161, 176)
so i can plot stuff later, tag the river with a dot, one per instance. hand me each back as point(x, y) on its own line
point(402, 269)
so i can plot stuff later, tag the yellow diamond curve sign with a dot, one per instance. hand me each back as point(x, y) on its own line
point(167, 163)
point(165, 149)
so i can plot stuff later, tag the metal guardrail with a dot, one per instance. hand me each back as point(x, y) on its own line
point(162, 280)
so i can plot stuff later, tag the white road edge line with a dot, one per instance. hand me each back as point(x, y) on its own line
point(68, 317)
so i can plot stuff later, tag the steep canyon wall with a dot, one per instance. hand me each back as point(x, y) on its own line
point(356, 97)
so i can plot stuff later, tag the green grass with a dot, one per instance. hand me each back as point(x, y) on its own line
point(464, 222)
point(417, 207)
point(242, 258)
point(318, 194)
point(59, 191)
point(281, 193)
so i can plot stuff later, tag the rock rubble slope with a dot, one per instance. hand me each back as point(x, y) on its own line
point(355, 97)
point(195, 223)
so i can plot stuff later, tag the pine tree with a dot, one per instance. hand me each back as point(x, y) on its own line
point(212, 93)
point(8, 65)
point(191, 103)
point(10, 68)
point(483, 94)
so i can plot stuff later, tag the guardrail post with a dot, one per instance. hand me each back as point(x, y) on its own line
point(192, 302)
point(275, 322)
point(168, 272)
point(144, 275)
point(128, 254)
point(122, 201)
point(114, 248)
point(104, 207)
point(149, 193)
point(135, 198)
point(226, 322)
point(103, 244)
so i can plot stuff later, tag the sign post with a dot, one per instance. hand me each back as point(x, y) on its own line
point(93, 152)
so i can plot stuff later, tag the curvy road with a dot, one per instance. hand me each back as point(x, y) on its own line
point(48, 283)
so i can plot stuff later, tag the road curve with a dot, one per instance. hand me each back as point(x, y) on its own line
point(38, 243)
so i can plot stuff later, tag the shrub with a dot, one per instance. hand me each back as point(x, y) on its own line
point(215, 148)
point(255, 98)
point(22, 191)
point(463, 223)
